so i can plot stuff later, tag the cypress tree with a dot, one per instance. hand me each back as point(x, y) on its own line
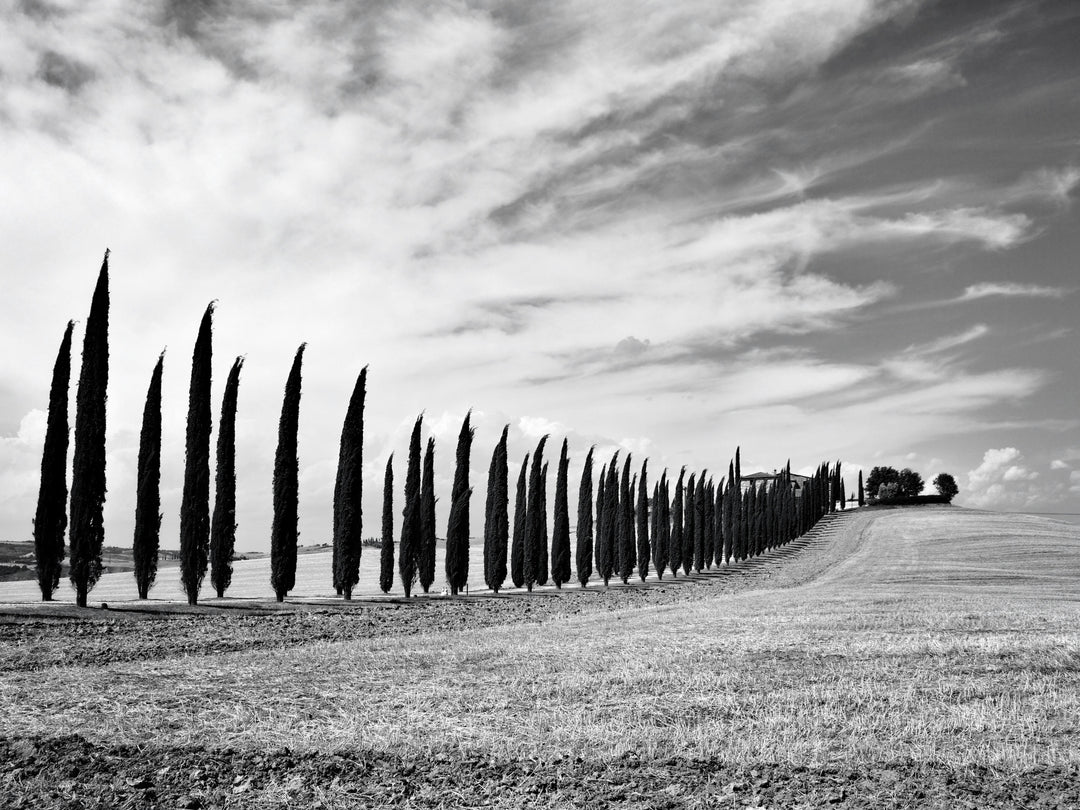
point(659, 546)
point(386, 552)
point(626, 555)
point(728, 521)
point(584, 556)
point(349, 493)
point(534, 530)
point(665, 519)
point(643, 522)
point(699, 524)
point(718, 523)
point(284, 531)
point(707, 521)
point(496, 518)
point(542, 548)
point(689, 552)
point(426, 560)
point(675, 546)
point(601, 504)
point(521, 520)
point(560, 540)
point(862, 491)
point(738, 466)
point(195, 502)
point(605, 558)
point(50, 517)
point(223, 521)
point(409, 550)
point(457, 531)
point(88, 463)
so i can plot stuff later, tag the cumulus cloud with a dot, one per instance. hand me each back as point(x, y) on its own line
point(1003, 481)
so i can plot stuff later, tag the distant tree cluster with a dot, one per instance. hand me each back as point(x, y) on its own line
point(888, 483)
point(623, 529)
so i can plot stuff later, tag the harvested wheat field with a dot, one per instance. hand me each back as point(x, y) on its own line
point(916, 657)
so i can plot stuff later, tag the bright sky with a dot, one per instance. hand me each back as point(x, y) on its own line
point(817, 229)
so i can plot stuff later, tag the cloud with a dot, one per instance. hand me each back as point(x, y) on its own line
point(1058, 464)
point(1011, 290)
point(1003, 481)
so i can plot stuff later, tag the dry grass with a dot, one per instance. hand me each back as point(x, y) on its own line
point(859, 667)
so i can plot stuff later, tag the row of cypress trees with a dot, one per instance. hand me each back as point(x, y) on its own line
point(703, 523)
point(205, 539)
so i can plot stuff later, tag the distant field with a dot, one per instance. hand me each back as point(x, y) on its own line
point(924, 657)
point(251, 580)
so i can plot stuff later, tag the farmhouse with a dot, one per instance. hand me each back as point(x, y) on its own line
point(764, 479)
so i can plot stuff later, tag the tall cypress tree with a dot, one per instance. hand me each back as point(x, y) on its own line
point(625, 526)
point(544, 545)
point(223, 520)
point(689, 524)
point(534, 529)
point(862, 491)
point(409, 550)
point(643, 522)
point(284, 530)
point(583, 556)
point(386, 552)
point(88, 464)
point(659, 546)
point(349, 493)
point(601, 504)
point(496, 517)
point(605, 558)
point(521, 520)
point(560, 540)
point(699, 524)
point(675, 546)
point(50, 517)
point(426, 562)
point(195, 502)
point(457, 530)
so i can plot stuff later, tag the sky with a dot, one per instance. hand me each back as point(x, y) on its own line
point(813, 229)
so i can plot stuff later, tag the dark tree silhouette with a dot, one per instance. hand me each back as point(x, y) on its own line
point(457, 530)
point(349, 493)
point(496, 517)
point(625, 556)
point(223, 521)
point(944, 483)
point(598, 527)
point(426, 562)
point(659, 535)
point(675, 540)
point(535, 517)
point(409, 550)
point(689, 524)
point(605, 555)
point(386, 552)
point(542, 566)
point(50, 517)
point(195, 501)
point(88, 465)
point(862, 490)
point(583, 556)
point(284, 530)
point(699, 524)
point(560, 539)
point(521, 520)
point(643, 522)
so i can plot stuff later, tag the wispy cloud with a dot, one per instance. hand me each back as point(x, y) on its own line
point(1011, 290)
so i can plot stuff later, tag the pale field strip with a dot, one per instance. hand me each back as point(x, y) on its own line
point(904, 647)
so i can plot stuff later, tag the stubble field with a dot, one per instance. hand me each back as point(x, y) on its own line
point(923, 657)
